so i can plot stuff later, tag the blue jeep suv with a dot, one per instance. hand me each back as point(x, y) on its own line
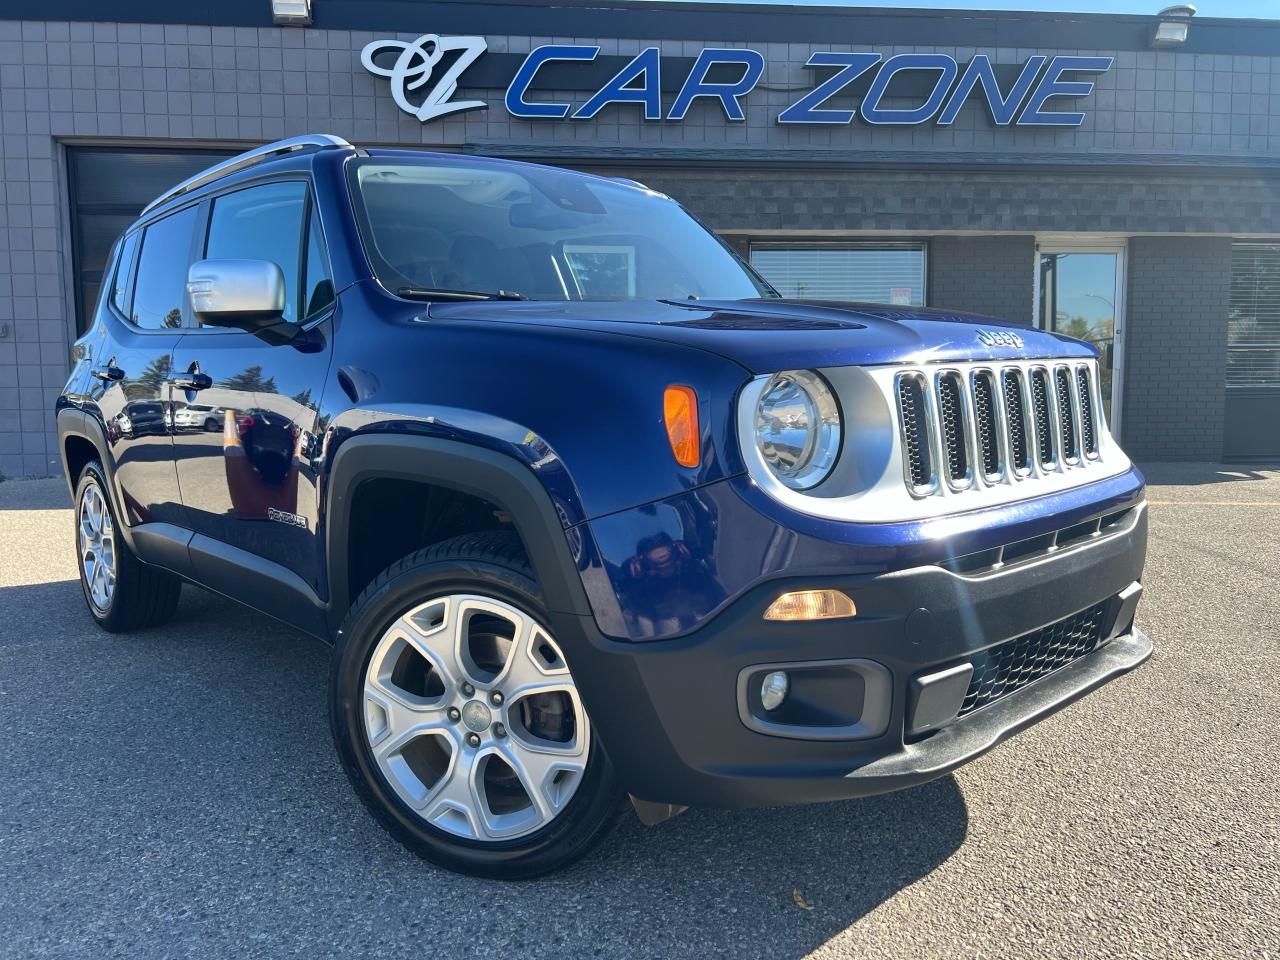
point(587, 511)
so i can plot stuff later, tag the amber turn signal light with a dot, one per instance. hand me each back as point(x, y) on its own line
point(811, 605)
point(680, 410)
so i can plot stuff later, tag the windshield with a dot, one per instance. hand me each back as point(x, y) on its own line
point(435, 226)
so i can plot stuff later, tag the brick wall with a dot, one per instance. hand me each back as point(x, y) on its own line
point(1176, 347)
point(990, 275)
point(170, 84)
point(790, 201)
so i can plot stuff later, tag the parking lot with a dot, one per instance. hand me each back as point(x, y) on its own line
point(174, 794)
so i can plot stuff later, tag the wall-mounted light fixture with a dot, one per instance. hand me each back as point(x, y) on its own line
point(1172, 25)
point(291, 13)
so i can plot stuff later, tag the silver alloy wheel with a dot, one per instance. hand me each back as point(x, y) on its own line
point(473, 718)
point(97, 538)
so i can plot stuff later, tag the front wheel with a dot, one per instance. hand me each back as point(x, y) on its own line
point(457, 718)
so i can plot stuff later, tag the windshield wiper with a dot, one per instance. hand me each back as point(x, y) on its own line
point(430, 293)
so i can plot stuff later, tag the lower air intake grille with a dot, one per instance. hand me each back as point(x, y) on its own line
point(1016, 663)
point(911, 407)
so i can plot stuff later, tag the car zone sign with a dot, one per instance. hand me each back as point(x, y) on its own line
point(901, 90)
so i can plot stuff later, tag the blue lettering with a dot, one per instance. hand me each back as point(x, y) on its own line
point(517, 106)
point(1052, 85)
point(1003, 109)
point(646, 65)
point(946, 67)
point(696, 84)
point(805, 110)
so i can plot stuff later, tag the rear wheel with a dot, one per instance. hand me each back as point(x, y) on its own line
point(458, 720)
point(122, 592)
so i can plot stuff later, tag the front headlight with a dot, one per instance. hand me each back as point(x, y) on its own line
point(798, 428)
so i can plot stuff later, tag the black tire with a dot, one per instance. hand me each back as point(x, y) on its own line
point(212, 426)
point(144, 596)
point(491, 565)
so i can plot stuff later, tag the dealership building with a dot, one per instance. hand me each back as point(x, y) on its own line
point(1112, 177)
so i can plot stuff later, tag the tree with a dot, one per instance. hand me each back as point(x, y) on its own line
point(249, 380)
point(1077, 327)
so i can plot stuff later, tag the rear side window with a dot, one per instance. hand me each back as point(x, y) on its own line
point(124, 273)
point(262, 223)
point(160, 294)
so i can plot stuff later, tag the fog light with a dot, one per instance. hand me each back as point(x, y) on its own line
point(774, 690)
point(811, 605)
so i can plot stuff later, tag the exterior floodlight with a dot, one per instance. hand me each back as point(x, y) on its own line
point(1172, 25)
point(291, 13)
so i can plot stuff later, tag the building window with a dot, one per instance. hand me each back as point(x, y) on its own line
point(1253, 319)
point(860, 272)
point(108, 189)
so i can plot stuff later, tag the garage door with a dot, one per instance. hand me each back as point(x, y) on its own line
point(109, 187)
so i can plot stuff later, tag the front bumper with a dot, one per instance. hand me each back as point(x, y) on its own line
point(670, 712)
point(969, 738)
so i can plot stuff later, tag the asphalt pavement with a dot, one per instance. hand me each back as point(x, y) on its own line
point(174, 794)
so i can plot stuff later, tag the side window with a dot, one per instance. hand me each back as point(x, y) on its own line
point(317, 291)
point(124, 273)
point(160, 294)
point(262, 223)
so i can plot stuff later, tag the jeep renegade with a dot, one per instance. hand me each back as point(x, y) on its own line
point(587, 511)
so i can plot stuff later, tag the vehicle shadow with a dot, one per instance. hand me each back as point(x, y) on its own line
point(199, 771)
point(778, 882)
point(45, 493)
point(1200, 474)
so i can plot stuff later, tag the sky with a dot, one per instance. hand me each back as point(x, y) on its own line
point(1261, 9)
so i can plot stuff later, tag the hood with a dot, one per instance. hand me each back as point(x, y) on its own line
point(769, 335)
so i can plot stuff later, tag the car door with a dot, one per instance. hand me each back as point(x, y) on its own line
point(248, 484)
point(140, 326)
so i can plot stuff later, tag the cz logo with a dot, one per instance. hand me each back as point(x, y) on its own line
point(1000, 338)
point(413, 68)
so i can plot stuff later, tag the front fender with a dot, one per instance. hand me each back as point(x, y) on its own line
point(581, 407)
point(497, 477)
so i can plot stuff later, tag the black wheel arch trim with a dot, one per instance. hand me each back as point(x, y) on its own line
point(468, 469)
point(72, 423)
point(78, 423)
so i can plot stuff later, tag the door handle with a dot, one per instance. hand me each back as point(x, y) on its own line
point(107, 373)
point(192, 380)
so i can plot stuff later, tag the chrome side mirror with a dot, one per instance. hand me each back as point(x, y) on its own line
point(246, 294)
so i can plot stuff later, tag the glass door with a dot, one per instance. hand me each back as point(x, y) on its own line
point(1080, 292)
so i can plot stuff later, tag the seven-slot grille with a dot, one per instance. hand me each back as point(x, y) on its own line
point(990, 425)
